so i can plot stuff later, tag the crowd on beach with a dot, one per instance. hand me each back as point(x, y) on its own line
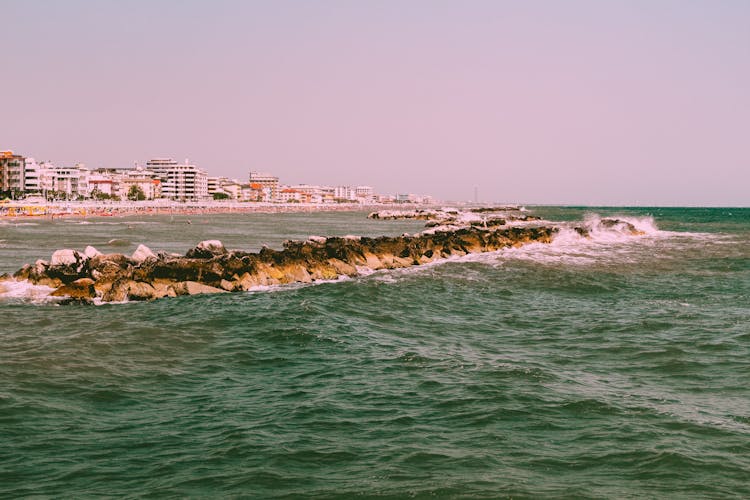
point(90, 208)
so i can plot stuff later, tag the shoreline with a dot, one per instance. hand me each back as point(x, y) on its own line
point(21, 211)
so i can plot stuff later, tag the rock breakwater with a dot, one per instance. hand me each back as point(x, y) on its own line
point(83, 277)
point(453, 218)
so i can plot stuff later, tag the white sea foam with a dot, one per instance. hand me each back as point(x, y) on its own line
point(282, 287)
point(25, 291)
point(607, 241)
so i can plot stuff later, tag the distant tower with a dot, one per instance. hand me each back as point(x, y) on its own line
point(476, 194)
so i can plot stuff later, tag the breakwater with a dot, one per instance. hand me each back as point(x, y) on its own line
point(211, 268)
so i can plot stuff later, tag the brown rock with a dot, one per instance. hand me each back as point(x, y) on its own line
point(138, 290)
point(118, 291)
point(194, 288)
point(246, 282)
point(80, 289)
point(163, 288)
point(343, 268)
point(109, 266)
point(296, 274)
point(227, 285)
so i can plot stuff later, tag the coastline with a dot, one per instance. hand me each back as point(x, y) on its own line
point(21, 210)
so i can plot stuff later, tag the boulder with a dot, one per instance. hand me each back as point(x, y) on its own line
point(342, 267)
point(142, 254)
point(48, 282)
point(373, 262)
point(80, 289)
point(126, 289)
point(118, 292)
point(66, 257)
point(24, 273)
point(91, 252)
point(138, 290)
point(227, 285)
point(246, 282)
point(163, 288)
point(206, 250)
point(109, 266)
point(67, 265)
point(323, 271)
point(194, 288)
point(189, 269)
point(296, 274)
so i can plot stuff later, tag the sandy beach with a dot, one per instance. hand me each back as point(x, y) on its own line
point(20, 209)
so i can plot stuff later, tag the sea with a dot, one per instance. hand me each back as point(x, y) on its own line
point(615, 366)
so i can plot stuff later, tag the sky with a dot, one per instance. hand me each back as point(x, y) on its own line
point(599, 102)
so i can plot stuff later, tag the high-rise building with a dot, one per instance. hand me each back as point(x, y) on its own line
point(12, 170)
point(32, 182)
point(180, 182)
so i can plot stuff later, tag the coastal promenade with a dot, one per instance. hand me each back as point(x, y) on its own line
point(89, 208)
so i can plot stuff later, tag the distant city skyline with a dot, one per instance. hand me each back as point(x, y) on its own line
point(585, 103)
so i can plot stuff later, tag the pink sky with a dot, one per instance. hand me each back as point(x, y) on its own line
point(580, 102)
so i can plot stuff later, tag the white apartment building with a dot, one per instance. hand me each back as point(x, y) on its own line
point(68, 181)
point(180, 182)
point(32, 176)
point(288, 195)
point(213, 184)
point(230, 187)
point(224, 185)
point(345, 193)
point(364, 192)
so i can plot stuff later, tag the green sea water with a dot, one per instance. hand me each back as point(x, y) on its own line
point(612, 367)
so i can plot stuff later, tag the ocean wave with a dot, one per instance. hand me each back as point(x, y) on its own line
point(119, 242)
point(19, 223)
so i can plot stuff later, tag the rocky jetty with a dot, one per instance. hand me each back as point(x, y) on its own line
point(82, 277)
point(452, 219)
point(419, 214)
